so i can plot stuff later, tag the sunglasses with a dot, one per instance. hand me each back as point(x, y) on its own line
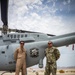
point(49, 43)
point(21, 42)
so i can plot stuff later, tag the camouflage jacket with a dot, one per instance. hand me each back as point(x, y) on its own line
point(52, 54)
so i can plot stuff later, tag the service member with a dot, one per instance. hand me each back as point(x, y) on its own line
point(20, 58)
point(52, 55)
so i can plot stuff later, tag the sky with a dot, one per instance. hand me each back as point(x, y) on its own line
point(47, 16)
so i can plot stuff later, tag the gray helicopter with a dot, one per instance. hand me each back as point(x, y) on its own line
point(35, 44)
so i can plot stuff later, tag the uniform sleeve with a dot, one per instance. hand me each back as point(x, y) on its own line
point(45, 52)
point(15, 54)
point(25, 53)
point(57, 54)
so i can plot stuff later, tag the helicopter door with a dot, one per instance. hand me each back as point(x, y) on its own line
point(3, 58)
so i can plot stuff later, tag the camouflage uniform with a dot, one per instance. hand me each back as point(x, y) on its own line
point(52, 54)
point(20, 57)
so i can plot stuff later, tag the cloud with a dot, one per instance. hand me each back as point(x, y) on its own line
point(34, 21)
point(33, 14)
point(38, 14)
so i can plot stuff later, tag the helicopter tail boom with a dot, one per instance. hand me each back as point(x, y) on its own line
point(63, 40)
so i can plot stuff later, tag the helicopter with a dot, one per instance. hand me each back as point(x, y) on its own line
point(35, 44)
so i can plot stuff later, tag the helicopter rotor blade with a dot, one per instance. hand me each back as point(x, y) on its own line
point(4, 11)
point(23, 31)
point(17, 30)
point(4, 15)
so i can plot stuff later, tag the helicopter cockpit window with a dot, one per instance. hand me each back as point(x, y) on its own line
point(37, 35)
point(18, 36)
point(26, 35)
point(34, 52)
point(3, 52)
point(14, 36)
point(11, 36)
point(7, 35)
point(21, 36)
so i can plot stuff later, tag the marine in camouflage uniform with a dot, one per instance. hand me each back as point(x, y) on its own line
point(20, 58)
point(52, 55)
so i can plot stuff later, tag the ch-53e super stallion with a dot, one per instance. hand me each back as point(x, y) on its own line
point(35, 44)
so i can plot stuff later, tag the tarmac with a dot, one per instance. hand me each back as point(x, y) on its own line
point(34, 74)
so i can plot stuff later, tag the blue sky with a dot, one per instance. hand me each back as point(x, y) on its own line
point(48, 16)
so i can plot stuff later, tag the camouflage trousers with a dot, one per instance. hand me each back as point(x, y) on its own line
point(50, 68)
point(20, 66)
